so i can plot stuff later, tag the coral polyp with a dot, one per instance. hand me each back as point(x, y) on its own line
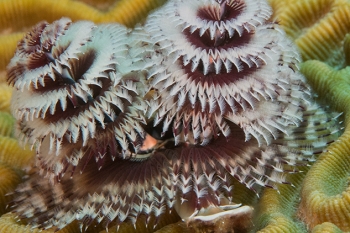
point(224, 61)
point(165, 117)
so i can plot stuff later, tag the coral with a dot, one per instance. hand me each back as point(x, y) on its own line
point(9, 179)
point(325, 198)
point(9, 223)
point(6, 124)
point(325, 190)
point(326, 228)
point(322, 191)
point(12, 160)
point(14, 155)
point(275, 211)
point(8, 43)
point(102, 5)
point(318, 27)
point(91, 117)
point(346, 47)
point(130, 12)
point(5, 97)
point(330, 80)
point(279, 6)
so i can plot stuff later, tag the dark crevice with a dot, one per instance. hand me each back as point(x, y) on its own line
point(223, 77)
point(220, 41)
point(226, 11)
point(76, 104)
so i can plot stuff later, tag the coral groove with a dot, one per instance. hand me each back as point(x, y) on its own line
point(329, 200)
point(318, 27)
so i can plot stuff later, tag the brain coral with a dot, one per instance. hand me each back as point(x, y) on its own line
point(176, 118)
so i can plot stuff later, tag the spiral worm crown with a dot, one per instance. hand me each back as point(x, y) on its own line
point(68, 89)
point(223, 61)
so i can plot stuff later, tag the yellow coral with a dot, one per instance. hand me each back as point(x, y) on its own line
point(326, 193)
point(130, 12)
point(320, 30)
point(20, 15)
point(9, 224)
point(9, 179)
point(318, 27)
point(8, 43)
point(279, 6)
point(102, 5)
point(331, 84)
point(276, 209)
point(13, 155)
point(6, 124)
point(5, 97)
point(346, 48)
point(326, 228)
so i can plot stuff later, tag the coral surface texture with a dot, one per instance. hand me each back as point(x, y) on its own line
point(174, 116)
